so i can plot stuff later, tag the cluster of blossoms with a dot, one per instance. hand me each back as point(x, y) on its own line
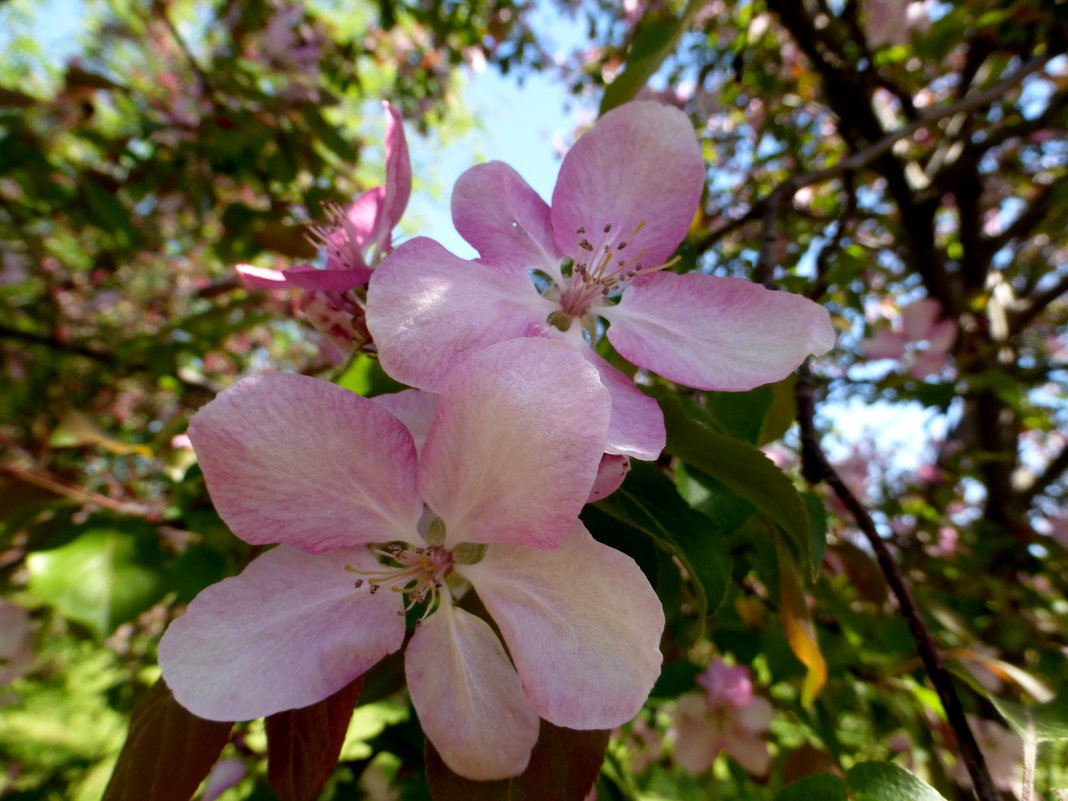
point(727, 718)
point(402, 508)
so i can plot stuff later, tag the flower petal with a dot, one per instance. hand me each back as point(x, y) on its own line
point(610, 474)
point(288, 632)
point(398, 169)
point(697, 737)
point(927, 364)
point(467, 695)
point(941, 335)
point(883, 344)
point(293, 459)
point(414, 408)
point(637, 426)
point(640, 164)
point(749, 750)
point(918, 317)
point(304, 277)
point(582, 624)
point(428, 309)
point(708, 332)
point(514, 447)
point(505, 220)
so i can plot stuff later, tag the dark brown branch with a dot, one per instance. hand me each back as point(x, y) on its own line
point(1056, 468)
point(51, 342)
point(1036, 305)
point(863, 158)
point(816, 468)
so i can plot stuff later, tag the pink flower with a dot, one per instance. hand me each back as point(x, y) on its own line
point(625, 197)
point(923, 342)
point(371, 527)
point(354, 242)
point(727, 718)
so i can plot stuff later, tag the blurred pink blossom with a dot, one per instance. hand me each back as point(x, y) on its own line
point(727, 718)
point(922, 341)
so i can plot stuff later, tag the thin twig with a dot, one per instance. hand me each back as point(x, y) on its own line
point(817, 468)
point(785, 191)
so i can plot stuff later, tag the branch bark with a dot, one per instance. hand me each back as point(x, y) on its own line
point(816, 469)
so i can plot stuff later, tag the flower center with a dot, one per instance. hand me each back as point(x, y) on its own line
point(418, 573)
point(337, 238)
point(599, 271)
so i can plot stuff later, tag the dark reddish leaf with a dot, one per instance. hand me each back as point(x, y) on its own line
point(168, 751)
point(303, 744)
point(563, 767)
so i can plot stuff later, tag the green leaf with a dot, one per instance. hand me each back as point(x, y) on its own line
point(103, 578)
point(654, 42)
point(817, 518)
point(168, 751)
point(797, 625)
point(820, 787)
point(781, 412)
point(649, 502)
point(746, 471)
point(303, 745)
point(879, 781)
point(566, 760)
point(1048, 721)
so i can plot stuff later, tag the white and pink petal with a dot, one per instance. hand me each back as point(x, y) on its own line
point(428, 310)
point(467, 695)
point(582, 624)
point(505, 220)
point(639, 165)
point(294, 459)
point(709, 332)
point(287, 632)
point(514, 449)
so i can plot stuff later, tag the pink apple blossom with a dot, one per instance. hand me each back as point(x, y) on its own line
point(370, 526)
point(625, 197)
point(922, 341)
point(354, 242)
point(727, 718)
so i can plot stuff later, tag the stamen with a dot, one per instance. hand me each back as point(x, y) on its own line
point(417, 573)
point(336, 238)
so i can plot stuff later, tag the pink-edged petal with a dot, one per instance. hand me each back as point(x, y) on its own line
point(398, 168)
point(304, 277)
point(640, 164)
point(755, 716)
point(883, 344)
point(918, 317)
point(293, 459)
point(708, 332)
point(414, 408)
point(513, 451)
point(582, 624)
point(927, 364)
point(697, 737)
point(428, 310)
point(467, 695)
point(941, 335)
point(365, 219)
point(505, 220)
point(749, 750)
point(225, 774)
point(637, 425)
point(287, 632)
point(610, 474)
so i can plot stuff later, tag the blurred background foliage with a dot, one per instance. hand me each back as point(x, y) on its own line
point(866, 154)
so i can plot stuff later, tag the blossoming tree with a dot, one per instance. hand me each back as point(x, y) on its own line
point(299, 503)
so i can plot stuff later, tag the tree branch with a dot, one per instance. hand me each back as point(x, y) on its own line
point(817, 468)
